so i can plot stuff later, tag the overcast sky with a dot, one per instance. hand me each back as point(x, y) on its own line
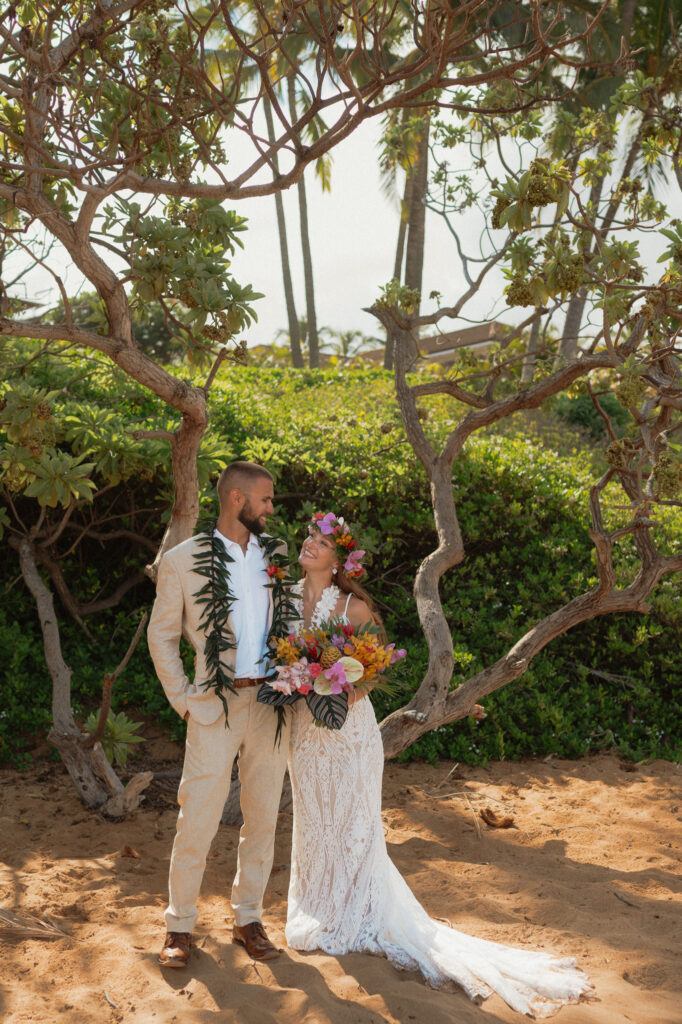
point(353, 232)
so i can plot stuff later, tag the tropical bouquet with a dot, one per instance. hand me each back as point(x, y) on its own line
point(323, 664)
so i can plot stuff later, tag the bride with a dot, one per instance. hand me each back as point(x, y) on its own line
point(345, 894)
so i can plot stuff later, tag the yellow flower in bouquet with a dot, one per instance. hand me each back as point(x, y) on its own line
point(372, 655)
point(285, 652)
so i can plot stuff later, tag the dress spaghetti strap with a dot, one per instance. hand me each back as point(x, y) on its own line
point(345, 610)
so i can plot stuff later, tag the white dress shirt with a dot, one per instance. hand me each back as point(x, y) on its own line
point(250, 609)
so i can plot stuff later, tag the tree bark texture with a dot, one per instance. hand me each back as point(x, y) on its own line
point(185, 511)
point(528, 368)
point(311, 315)
point(399, 255)
point(95, 780)
point(416, 230)
point(292, 318)
point(435, 704)
point(568, 348)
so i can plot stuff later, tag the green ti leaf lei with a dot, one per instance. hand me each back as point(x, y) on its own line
point(213, 562)
point(283, 609)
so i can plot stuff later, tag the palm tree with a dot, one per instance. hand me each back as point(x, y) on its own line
point(294, 336)
point(284, 76)
point(346, 345)
point(407, 149)
point(311, 315)
point(416, 233)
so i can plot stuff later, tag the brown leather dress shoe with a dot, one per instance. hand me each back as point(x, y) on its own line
point(176, 949)
point(253, 938)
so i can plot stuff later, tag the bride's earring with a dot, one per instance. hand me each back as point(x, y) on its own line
point(334, 571)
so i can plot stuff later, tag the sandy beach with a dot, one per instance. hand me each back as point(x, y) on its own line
point(589, 867)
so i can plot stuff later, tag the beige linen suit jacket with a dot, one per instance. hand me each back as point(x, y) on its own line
point(176, 614)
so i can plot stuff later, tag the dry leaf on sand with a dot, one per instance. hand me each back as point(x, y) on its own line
point(495, 820)
point(12, 926)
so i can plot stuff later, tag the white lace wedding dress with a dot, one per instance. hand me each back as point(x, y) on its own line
point(346, 895)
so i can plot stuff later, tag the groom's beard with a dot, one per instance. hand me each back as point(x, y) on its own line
point(248, 518)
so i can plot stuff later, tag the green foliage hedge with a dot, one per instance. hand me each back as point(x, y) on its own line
point(334, 439)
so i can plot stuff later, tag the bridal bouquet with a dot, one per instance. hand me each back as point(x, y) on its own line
point(324, 664)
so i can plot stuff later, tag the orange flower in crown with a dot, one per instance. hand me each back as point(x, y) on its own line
point(346, 548)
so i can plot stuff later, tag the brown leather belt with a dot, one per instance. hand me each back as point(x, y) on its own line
point(248, 681)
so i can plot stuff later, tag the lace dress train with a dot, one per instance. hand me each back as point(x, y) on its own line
point(346, 895)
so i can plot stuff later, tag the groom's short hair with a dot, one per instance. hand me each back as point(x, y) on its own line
point(240, 474)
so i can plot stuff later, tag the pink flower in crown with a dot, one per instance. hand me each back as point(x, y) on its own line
point(327, 523)
point(352, 563)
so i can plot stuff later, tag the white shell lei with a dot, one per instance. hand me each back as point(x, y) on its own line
point(324, 608)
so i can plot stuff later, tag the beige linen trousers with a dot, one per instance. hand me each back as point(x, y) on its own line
point(210, 750)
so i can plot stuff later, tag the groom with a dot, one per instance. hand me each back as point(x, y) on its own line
point(245, 491)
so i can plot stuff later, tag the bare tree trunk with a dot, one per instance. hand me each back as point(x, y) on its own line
point(528, 368)
point(402, 230)
point(568, 348)
point(185, 444)
point(416, 232)
point(406, 725)
point(311, 315)
point(435, 704)
point(399, 254)
point(95, 780)
point(627, 17)
point(292, 318)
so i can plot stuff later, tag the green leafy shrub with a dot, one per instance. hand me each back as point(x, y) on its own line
point(334, 440)
point(579, 410)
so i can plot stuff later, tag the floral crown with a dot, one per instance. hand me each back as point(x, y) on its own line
point(346, 547)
